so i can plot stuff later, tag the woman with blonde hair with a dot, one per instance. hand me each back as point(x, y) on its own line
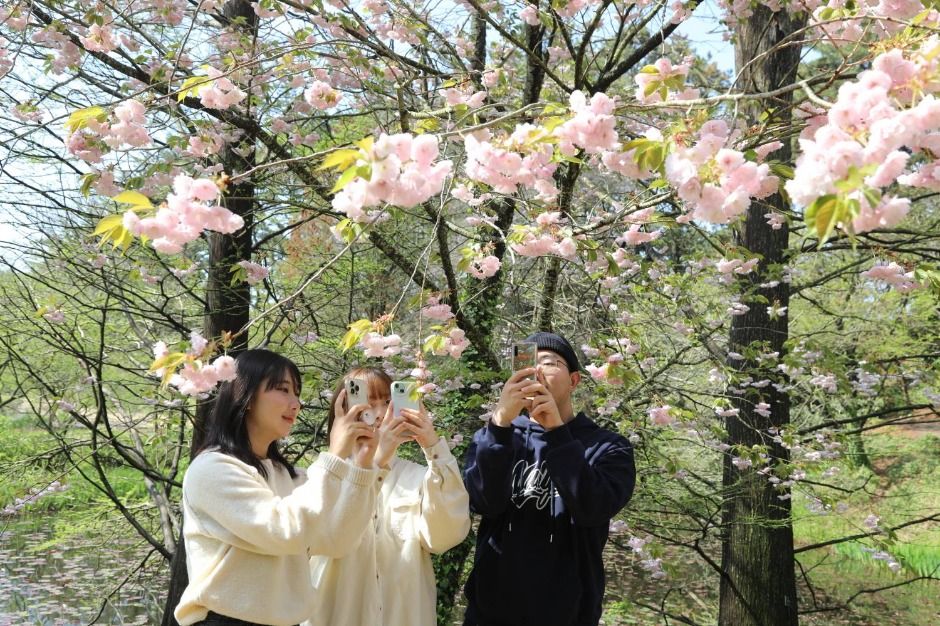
point(388, 580)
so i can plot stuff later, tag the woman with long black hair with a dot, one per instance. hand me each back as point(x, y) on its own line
point(251, 520)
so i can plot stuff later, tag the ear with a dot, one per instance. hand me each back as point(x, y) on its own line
point(575, 379)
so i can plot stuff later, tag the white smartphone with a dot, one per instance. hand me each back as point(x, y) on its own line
point(357, 392)
point(404, 396)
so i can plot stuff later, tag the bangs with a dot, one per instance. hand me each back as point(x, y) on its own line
point(277, 372)
point(379, 383)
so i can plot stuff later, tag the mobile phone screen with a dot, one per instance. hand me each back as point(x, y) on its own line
point(524, 355)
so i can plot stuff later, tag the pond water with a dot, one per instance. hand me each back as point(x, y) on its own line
point(100, 580)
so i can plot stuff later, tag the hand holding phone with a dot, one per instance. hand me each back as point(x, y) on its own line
point(524, 355)
point(405, 396)
point(357, 392)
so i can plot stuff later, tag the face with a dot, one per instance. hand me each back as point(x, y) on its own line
point(273, 411)
point(379, 397)
point(559, 381)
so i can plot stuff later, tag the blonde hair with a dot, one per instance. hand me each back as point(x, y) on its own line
point(379, 383)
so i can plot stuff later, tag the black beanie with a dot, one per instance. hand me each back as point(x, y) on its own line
point(558, 345)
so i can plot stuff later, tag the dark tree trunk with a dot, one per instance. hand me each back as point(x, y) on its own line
point(228, 305)
point(758, 585)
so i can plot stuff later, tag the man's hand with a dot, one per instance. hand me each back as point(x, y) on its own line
point(514, 397)
point(544, 411)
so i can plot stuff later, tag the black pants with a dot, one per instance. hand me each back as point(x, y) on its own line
point(214, 619)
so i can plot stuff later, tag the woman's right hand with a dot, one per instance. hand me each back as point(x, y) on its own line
point(348, 430)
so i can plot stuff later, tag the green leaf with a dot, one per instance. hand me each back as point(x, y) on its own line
point(112, 228)
point(782, 170)
point(427, 125)
point(79, 119)
point(192, 86)
point(822, 216)
point(87, 181)
point(134, 198)
point(434, 343)
point(340, 159)
point(345, 179)
point(356, 332)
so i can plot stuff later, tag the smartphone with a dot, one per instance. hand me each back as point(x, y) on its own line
point(357, 392)
point(524, 354)
point(404, 396)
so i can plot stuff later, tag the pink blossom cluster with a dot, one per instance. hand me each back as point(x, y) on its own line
point(610, 371)
point(893, 274)
point(718, 182)
point(546, 237)
point(572, 7)
point(634, 236)
point(6, 63)
point(196, 377)
point(99, 39)
point(455, 97)
point(186, 213)
point(854, 26)
point(661, 415)
point(67, 54)
point(221, 93)
point(172, 11)
point(254, 273)
point(54, 315)
point(375, 345)
point(653, 566)
point(624, 162)
point(592, 127)
point(880, 122)
point(34, 494)
point(484, 266)
point(512, 162)
point(530, 15)
point(403, 173)
point(434, 310)
point(126, 125)
point(661, 76)
point(204, 145)
point(321, 95)
point(455, 342)
point(14, 17)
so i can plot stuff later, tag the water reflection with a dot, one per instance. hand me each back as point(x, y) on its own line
point(99, 580)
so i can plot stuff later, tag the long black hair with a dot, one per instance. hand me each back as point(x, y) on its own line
point(227, 430)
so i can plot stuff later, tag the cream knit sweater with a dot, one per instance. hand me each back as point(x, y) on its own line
point(249, 539)
point(388, 579)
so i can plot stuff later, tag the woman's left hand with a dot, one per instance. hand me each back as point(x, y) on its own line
point(421, 426)
point(391, 433)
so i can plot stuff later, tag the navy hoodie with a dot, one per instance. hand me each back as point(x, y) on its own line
point(546, 499)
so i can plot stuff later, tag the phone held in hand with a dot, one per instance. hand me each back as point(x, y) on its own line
point(524, 354)
point(404, 396)
point(357, 392)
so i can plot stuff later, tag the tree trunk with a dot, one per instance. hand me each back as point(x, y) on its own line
point(758, 584)
point(228, 305)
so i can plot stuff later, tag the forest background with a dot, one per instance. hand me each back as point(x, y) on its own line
point(746, 258)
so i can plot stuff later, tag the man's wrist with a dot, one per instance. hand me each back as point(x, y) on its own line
point(499, 418)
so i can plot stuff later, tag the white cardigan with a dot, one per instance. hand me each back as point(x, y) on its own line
point(388, 580)
point(248, 539)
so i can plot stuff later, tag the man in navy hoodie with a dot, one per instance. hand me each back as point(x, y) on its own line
point(546, 483)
